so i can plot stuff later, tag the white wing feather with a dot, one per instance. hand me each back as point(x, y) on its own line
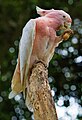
point(25, 50)
point(26, 46)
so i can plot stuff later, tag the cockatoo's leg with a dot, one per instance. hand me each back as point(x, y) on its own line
point(61, 37)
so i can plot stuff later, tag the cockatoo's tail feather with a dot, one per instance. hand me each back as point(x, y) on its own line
point(12, 94)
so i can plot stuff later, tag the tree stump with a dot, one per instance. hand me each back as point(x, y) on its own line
point(40, 94)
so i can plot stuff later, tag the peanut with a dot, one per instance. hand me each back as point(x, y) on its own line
point(66, 36)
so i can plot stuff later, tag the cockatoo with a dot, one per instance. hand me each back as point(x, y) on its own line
point(38, 43)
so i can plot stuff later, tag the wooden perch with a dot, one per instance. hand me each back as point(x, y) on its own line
point(39, 90)
point(40, 94)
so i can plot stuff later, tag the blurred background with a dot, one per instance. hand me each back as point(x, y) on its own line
point(65, 69)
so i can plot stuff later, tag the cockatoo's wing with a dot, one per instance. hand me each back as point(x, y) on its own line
point(25, 49)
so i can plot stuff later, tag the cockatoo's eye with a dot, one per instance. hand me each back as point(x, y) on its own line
point(64, 16)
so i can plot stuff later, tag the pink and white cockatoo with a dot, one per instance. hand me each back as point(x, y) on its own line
point(38, 43)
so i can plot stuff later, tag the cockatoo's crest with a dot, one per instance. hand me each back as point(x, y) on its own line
point(43, 12)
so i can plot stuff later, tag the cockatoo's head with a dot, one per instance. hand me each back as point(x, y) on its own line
point(63, 18)
point(60, 16)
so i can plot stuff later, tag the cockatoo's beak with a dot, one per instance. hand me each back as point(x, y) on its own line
point(67, 25)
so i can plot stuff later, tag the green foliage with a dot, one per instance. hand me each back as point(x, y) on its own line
point(65, 70)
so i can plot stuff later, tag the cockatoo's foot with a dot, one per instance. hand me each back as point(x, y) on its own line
point(66, 34)
point(39, 61)
point(69, 31)
point(34, 65)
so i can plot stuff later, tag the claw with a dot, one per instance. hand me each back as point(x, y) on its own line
point(67, 34)
point(69, 31)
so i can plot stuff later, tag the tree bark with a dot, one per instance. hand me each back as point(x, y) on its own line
point(40, 94)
